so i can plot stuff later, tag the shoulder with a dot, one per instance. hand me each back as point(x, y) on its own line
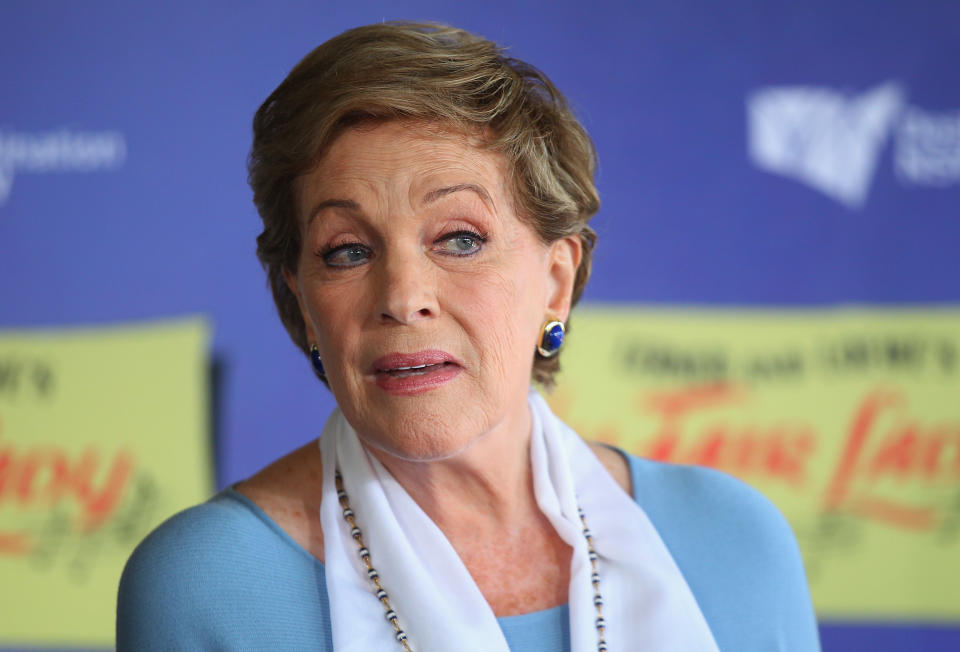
point(289, 492)
point(716, 499)
point(736, 551)
point(206, 534)
point(683, 496)
point(168, 580)
point(218, 575)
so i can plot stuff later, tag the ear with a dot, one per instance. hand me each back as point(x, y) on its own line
point(290, 278)
point(563, 260)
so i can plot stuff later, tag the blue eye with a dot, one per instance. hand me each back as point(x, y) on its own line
point(348, 255)
point(461, 243)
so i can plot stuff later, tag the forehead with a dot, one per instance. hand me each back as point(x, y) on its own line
point(403, 156)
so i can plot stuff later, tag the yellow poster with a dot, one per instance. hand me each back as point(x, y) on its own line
point(849, 420)
point(103, 434)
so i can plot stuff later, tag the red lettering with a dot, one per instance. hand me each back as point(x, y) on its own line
point(887, 511)
point(907, 452)
point(29, 466)
point(903, 451)
point(100, 502)
point(46, 475)
point(14, 543)
point(671, 407)
point(898, 456)
point(780, 451)
point(859, 432)
point(933, 462)
point(6, 469)
point(710, 449)
point(789, 454)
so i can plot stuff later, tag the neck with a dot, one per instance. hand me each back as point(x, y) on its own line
point(482, 499)
point(487, 485)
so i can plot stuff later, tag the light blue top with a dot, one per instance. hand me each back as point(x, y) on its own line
point(224, 576)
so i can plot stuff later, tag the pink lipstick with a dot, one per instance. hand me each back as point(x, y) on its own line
point(413, 373)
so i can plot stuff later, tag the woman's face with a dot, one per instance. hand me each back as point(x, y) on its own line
point(413, 255)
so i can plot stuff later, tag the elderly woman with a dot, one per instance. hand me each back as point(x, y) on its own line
point(425, 202)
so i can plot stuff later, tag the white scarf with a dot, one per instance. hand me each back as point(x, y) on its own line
point(646, 602)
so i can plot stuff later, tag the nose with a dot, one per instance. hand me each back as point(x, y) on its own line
point(406, 288)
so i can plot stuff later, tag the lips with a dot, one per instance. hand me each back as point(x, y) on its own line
point(412, 373)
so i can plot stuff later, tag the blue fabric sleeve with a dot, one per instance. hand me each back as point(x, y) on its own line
point(219, 576)
point(737, 553)
point(223, 576)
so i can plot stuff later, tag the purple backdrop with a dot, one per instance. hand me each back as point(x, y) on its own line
point(751, 153)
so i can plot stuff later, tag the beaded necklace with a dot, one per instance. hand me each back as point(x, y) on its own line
point(391, 615)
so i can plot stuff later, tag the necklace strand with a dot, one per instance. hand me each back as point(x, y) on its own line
point(371, 571)
point(381, 594)
point(595, 581)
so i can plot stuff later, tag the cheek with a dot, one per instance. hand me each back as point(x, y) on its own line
point(501, 319)
point(333, 312)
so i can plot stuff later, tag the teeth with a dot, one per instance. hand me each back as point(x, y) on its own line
point(413, 369)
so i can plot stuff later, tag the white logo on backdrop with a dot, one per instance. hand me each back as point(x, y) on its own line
point(928, 148)
point(833, 141)
point(61, 150)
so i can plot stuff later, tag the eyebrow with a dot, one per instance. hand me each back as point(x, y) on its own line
point(434, 195)
point(347, 204)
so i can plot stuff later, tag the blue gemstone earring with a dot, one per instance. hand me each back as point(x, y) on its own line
point(551, 338)
point(317, 362)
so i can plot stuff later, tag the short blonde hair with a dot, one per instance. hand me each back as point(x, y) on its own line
point(425, 72)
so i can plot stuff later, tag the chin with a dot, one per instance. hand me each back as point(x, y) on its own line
point(424, 437)
point(420, 452)
point(431, 427)
point(426, 448)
